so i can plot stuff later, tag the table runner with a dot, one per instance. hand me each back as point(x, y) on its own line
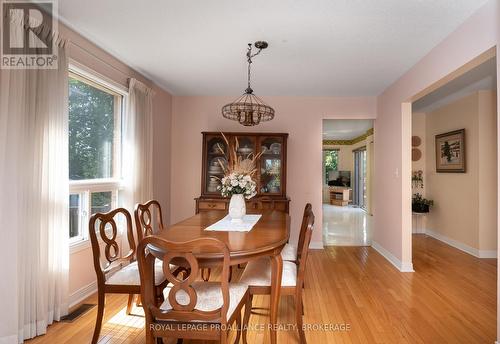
point(225, 224)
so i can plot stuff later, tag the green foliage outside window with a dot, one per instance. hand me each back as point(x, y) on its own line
point(330, 159)
point(91, 131)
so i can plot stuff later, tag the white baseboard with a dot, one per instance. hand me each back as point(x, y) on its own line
point(461, 246)
point(488, 254)
point(316, 245)
point(82, 293)
point(403, 267)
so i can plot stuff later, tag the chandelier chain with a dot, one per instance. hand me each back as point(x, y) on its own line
point(249, 59)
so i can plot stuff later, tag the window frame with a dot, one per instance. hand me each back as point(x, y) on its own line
point(86, 187)
point(325, 181)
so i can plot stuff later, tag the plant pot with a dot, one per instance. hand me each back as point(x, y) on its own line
point(237, 208)
point(420, 208)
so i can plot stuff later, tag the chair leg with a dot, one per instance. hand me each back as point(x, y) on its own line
point(150, 339)
point(238, 329)
point(138, 301)
point(100, 313)
point(205, 274)
point(230, 273)
point(223, 336)
point(130, 303)
point(246, 317)
point(298, 314)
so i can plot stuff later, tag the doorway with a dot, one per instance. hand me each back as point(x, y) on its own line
point(359, 190)
point(347, 152)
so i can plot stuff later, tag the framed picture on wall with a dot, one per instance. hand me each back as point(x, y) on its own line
point(450, 152)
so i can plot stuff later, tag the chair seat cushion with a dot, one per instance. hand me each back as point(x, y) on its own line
point(129, 275)
point(289, 253)
point(258, 273)
point(209, 296)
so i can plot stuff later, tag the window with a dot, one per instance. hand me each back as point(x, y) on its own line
point(330, 163)
point(94, 126)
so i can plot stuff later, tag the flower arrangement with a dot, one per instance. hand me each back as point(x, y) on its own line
point(238, 173)
point(236, 183)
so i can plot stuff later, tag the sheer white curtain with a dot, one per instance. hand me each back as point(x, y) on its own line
point(138, 144)
point(34, 198)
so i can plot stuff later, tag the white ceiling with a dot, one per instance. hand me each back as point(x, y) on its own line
point(345, 129)
point(317, 47)
point(483, 77)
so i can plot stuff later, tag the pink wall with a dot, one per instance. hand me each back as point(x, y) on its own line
point(301, 117)
point(478, 34)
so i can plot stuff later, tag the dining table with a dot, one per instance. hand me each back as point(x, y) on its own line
point(265, 239)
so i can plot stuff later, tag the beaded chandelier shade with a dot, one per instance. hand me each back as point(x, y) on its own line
point(248, 109)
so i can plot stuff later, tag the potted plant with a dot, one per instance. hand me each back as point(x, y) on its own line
point(420, 204)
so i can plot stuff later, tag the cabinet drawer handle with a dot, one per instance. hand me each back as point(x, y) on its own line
point(211, 205)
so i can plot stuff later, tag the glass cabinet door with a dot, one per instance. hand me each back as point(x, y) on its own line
point(245, 146)
point(215, 164)
point(271, 165)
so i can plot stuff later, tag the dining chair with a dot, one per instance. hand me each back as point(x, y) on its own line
point(146, 223)
point(192, 309)
point(291, 253)
point(257, 275)
point(117, 273)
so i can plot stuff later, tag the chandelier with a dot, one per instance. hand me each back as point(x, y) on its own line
point(249, 110)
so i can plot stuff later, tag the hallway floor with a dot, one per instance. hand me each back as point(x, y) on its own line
point(346, 226)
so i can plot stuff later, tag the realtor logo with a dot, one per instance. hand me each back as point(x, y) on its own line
point(28, 29)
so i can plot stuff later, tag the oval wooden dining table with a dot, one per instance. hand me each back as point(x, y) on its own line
point(266, 238)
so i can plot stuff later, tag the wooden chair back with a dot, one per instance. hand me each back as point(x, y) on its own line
point(303, 229)
point(173, 252)
point(145, 220)
point(105, 225)
point(304, 250)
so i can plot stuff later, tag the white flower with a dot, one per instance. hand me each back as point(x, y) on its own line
point(236, 182)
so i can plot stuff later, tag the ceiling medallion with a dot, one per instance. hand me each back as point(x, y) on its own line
point(249, 110)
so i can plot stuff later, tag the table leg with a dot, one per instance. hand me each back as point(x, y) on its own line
point(277, 272)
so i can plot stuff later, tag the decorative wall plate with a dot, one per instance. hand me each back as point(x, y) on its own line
point(416, 154)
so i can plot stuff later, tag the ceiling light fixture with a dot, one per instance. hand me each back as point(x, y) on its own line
point(249, 110)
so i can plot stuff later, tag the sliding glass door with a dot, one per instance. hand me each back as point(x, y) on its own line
point(359, 192)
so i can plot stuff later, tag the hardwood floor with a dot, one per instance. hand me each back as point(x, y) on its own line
point(450, 298)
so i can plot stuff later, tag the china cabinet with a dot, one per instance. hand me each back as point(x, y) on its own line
point(270, 176)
